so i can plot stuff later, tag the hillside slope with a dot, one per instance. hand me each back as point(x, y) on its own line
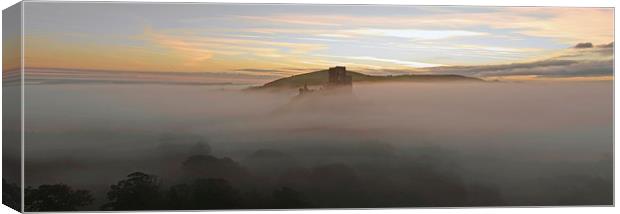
point(320, 78)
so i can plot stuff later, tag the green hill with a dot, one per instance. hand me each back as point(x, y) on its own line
point(320, 78)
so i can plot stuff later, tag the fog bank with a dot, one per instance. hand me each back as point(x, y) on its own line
point(391, 144)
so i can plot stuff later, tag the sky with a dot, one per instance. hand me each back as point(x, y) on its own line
point(275, 40)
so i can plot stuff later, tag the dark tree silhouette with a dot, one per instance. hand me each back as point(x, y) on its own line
point(57, 197)
point(139, 191)
point(11, 195)
point(209, 193)
point(286, 198)
point(178, 197)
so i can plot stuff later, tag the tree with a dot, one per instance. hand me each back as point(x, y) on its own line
point(57, 197)
point(11, 195)
point(139, 191)
point(212, 193)
point(207, 166)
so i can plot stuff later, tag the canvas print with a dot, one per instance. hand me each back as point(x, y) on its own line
point(205, 106)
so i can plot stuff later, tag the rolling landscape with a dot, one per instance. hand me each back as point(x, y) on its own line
point(304, 106)
point(319, 78)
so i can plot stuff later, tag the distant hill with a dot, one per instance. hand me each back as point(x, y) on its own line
point(320, 78)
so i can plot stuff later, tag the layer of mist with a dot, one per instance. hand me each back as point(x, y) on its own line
point(385, 145)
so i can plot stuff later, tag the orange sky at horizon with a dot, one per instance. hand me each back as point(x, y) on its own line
point(265, 40)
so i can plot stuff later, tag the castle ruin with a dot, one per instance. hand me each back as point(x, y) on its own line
point(337, 79)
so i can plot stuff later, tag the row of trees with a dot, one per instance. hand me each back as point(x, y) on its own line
point(141, 191)
point(56, 197)
point(11, 195)
point(209, 182)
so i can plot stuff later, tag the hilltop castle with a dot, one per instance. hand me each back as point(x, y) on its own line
point(337, 79)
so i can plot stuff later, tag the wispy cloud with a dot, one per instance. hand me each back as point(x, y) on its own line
point(596, 61)
point(296, 21)
point(269, 39)
point(564, 24)
point(415, 33)
point(197, 49)
point(401, 62)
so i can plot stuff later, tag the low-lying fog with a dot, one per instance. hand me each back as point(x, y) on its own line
point(410, 144)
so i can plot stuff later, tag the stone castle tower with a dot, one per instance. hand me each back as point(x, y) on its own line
point(338, 77)
point(338, 80)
